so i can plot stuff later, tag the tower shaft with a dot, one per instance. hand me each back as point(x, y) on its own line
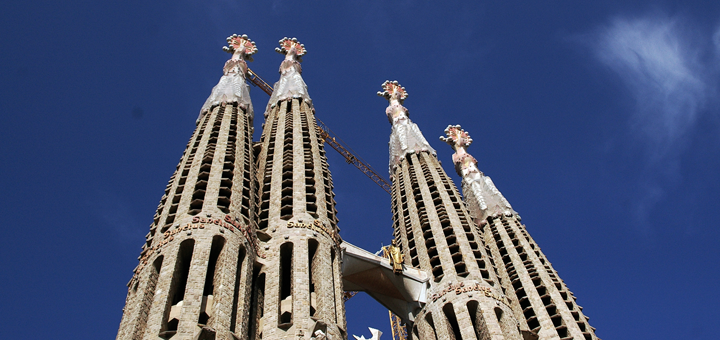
point(201, 224)
point(548, 306)
point(466, 300)
point(303, 291)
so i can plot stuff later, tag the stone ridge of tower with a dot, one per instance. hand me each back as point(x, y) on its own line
point(434, 230)
point(540, 299)
point(194, 278)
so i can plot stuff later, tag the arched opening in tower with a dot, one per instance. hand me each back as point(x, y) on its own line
point(286, 285)
point(211, 276)
point(314, 265)
point(176, 293)
point(240, 276)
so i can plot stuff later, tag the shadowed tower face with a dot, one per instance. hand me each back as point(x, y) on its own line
point(195, 270)
point(299, 281)
point(434, 230)
point(539, 298)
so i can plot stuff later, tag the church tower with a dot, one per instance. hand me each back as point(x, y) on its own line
point(195, 270)
point(433, 228)
point(540, 298)
point(298, 290)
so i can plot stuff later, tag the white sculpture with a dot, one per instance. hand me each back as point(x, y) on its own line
point(291, 83)
point(375, 335)
point(489, 199)
point(318, 335)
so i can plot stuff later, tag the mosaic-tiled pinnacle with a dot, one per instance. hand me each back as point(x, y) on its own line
point(291, 83)
point(232, 87)
point(489, 199)
point(405, 137)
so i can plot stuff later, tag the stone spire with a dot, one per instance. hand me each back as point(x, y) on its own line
point(194, 278)
point(232, 87)
point(406, 137)
point(436, 235)
point(489, 200)
point(298, 290)
point(291, 83)
point(543, 305)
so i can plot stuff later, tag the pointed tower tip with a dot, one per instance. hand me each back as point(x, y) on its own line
point(459, 140)
point(479, 188)
point(231, 87)
point(456, 137)
point(393, 90)
point(241, 44)
point(291, 84)
point(405, 137)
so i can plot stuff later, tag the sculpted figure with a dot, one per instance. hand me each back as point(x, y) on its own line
point(396, 257)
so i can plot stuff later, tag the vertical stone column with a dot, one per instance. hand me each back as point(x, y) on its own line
point(299, 228)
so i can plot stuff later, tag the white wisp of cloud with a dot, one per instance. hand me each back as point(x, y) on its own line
point(716, 41)
point(656, 61)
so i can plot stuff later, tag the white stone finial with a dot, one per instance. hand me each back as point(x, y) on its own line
point(375, 335)
point(456, 137)
point(291, 48)
point(459, 140)
point(291, 85)
point(393, 90)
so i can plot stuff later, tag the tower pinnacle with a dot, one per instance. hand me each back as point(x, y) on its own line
point(232, 87)
point(489, 199)
point(406, 137)
point(291, 83)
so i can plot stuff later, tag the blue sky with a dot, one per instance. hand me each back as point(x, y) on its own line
point(598, 121)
